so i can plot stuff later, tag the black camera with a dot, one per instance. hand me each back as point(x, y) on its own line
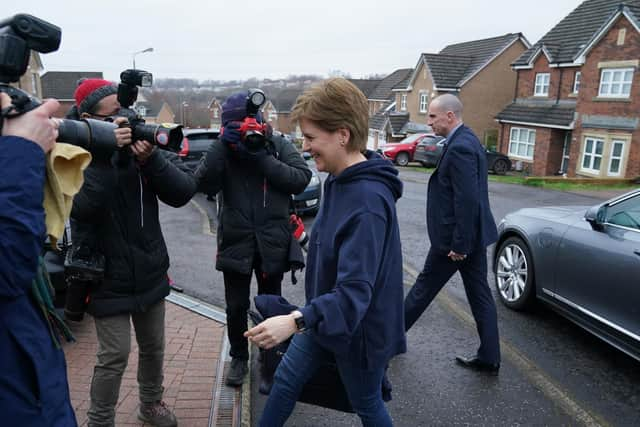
point(166, 135)
point(18, 36)
point(254, 133)
point(83, 267)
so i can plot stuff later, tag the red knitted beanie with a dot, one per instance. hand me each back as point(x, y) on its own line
point(90, 91)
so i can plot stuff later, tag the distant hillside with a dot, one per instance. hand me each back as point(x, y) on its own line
point(196, 95)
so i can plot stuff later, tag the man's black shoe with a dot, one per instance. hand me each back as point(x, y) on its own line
point(478, 365)
point(237, 371)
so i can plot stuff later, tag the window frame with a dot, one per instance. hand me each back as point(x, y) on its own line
point(576, 82)
point(593, 155)
point(424, 102)
point(610, 83)
point(517, 143)
point(543, 85)
point(403, 102)
point(619, 158)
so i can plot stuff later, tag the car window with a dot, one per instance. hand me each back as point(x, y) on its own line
point(199, 144)
point(625, 213)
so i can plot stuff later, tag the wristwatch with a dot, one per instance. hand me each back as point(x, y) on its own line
point(300, 325)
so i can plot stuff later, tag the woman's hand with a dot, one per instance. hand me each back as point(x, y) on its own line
point(272, 331)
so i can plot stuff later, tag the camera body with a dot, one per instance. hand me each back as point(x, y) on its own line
point(253, 133)
point(19, 35)
point(167, 136)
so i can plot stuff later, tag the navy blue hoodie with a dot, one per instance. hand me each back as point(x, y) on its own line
point(354, 266)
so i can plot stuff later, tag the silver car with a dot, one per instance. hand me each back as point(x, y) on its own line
point(583, 261)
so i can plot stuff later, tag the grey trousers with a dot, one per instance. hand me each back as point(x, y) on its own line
point(114, 346)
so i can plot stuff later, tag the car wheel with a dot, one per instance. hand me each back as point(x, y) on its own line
point(514, 274)
point(500, 167)
point(402, 159)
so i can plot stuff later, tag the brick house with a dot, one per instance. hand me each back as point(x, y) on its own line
point(479, 72)
point(62, 84)
point(277, 111)
point(215, 112)
point(385, 125)
point(154, 112)
point(30, 81)
point(575, 110)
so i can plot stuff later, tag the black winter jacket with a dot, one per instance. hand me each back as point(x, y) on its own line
point(119, 200)
point(256, 194)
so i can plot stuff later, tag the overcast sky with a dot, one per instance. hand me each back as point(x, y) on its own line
point(226, 40)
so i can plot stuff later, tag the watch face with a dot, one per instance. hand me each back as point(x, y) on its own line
point(300, 323)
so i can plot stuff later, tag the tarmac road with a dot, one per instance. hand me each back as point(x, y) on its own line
point(553, 373)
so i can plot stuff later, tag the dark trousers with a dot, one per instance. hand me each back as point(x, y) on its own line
point(237, 290)
point(438, 269)
point(302, 359)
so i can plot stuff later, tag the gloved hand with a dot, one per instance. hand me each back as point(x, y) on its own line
point(231, 136)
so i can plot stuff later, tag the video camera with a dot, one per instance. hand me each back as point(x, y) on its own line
point(18, 36)
point(166, 135)
point(253, 133)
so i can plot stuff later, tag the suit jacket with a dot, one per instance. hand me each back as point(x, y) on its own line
point(458, 214)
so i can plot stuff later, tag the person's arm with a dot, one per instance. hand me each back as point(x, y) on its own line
point(466, 198)
point(25, 140)
point(169, 177)
point(100, 181)
point(210, 171)
point(22, 228)
point(337, 314)
point(289, 173)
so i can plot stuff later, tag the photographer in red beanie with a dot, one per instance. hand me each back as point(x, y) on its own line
point(117, 211)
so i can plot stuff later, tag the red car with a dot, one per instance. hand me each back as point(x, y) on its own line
point(401, 153)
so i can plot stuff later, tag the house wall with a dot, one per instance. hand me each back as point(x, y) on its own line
point(559, 79)
point(31, 76)
point(607, 50)
point(486, 94)
point(422, 83)
point(165, 115)
point(215, 114)
point(284, 123)
point(547, 154)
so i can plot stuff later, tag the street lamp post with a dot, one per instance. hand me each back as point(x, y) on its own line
point(149, 49)
point(184, 111)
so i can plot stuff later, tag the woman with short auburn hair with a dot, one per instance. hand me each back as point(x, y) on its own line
point(354, 298)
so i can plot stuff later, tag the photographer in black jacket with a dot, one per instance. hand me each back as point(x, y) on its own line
point(119, 200)
point(253, 231)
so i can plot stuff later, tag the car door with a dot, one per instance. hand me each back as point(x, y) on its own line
point(598, 271)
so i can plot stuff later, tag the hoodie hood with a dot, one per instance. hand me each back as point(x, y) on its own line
point(376, 168)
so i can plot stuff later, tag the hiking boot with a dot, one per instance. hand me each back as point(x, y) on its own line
point(157, 414)
point(237, 371)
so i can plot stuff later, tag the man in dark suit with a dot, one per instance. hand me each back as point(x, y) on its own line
point(460, 227)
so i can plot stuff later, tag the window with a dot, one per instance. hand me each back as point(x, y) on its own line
point(142, 110)
point(615, 161)
point(273, 116)
point(215, 113)
point(34, 83)
point(521, 142)
point(576, 82)
point(403, 102)
point(424, 101)
point(615, 82)
point(592, 157)
point(625, 213)
point(542, 85)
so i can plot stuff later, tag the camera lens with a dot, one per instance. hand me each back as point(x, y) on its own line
point(254, 141)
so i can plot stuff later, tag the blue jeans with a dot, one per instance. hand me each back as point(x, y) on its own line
point(299, 363)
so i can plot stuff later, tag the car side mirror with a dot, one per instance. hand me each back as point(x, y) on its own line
point(596, 216)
